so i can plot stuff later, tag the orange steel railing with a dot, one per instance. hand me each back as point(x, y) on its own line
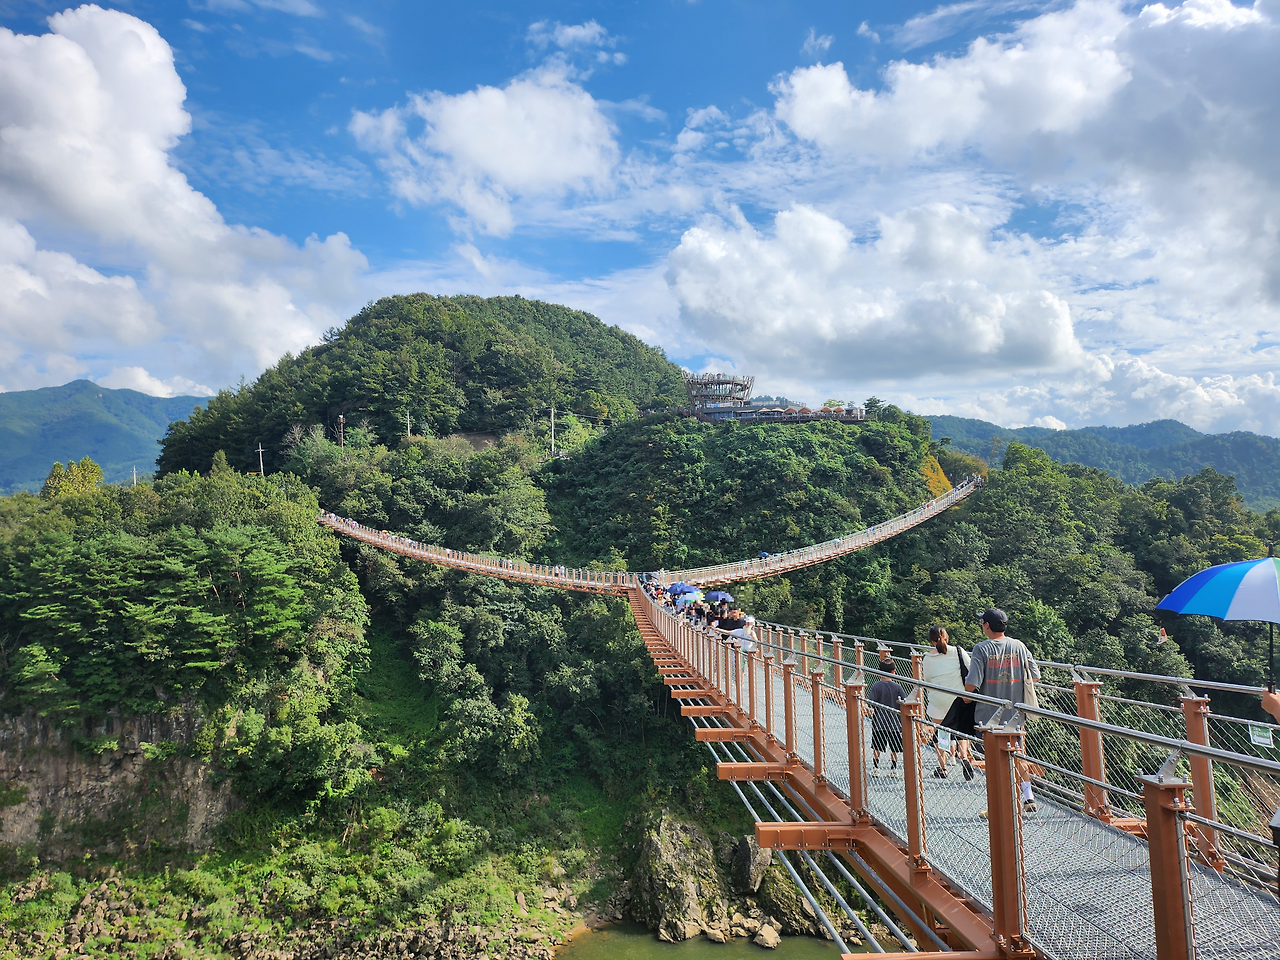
point(614, 581)
point(1080, 877)
point(779, 563)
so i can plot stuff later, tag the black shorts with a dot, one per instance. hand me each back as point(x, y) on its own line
point(886, 738)
point(960, 717)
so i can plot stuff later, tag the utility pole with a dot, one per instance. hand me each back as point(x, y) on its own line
point(261, 470)
point(553, 430)
point(408, 434)
point(342, 443)
point(135, 475)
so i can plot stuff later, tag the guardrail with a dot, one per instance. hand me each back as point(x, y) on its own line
point(1143, 845)
point(537, 574)
point(820, 552)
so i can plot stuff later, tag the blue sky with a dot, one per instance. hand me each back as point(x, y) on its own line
point(1056, 213)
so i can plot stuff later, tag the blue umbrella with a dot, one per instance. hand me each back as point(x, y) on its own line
point(678, 588)
point(718, 596)
point(1247, 590)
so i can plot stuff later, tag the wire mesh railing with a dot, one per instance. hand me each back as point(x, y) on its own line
point(818, 553)
point(1086, 884)
point(1235, 911)
point(1084, 864)
point(953, 807)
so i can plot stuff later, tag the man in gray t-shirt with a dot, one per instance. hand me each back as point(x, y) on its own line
point(1002, 668)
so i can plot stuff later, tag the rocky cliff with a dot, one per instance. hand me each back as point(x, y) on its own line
point(117, 786)
point(685, 886)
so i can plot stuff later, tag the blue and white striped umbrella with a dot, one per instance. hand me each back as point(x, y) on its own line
point(1247, 590)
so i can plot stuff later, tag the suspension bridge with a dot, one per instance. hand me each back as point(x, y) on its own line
point(1156, 830)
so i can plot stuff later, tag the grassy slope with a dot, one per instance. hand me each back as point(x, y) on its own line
point(119, 429)
point(1135, 454)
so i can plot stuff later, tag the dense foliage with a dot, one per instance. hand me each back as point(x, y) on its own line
point(1076, 557)
point(217, 591)
point(445, 363)
point(410, 741)
point(1135, 454)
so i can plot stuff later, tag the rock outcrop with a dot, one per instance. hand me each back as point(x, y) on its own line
point(782, 901)
point(678, 889)
point(130, 786)
point(750, 861)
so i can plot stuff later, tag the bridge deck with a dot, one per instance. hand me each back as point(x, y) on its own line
point(1086, 888)
point(1087, 883)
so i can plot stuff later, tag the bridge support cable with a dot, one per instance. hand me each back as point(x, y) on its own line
point(619, 582)
point(809, 898)
point(909, 914)
point(852, 915)
point(898, 902)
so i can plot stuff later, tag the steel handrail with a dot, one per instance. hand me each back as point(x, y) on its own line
point(1186, 746)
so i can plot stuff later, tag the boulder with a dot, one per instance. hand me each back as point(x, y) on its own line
point(677, 888)
point(789, 912)
point(768, 938)
point(750, 861)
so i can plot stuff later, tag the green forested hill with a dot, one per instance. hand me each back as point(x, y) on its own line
point(411, 744)
point(119, 429)
point(448, 363)
point(1135, 454)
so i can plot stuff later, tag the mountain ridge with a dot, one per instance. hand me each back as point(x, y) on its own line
point(120, 429)
point(1136, 453)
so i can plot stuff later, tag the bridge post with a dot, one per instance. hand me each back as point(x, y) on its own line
point(917, 665)
point(911, 709)
point(1004, 826)
point(853, 693)
point(726, 650)
point(857, 655)
point(1092, 762)
point(836, 652)
point(815, 680)
point(1170, 873)
point(736, 653)
point(788, 709)
point(768, 696)
point(1195, 712)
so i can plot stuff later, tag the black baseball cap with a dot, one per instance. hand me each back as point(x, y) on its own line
point(995, 618)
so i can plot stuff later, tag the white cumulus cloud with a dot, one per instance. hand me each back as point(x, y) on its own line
point(542, 136)
point(137, 378)
point(89, 115)
point(932, 293)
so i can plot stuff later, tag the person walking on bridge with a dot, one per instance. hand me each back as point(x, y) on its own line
point(883, 698)
point(945, 667)
point(1002, 668)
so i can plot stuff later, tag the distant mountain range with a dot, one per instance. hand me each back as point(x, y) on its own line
point(119, 429)
point(1162, 448)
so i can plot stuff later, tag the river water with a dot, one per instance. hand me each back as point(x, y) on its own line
point(629, 941)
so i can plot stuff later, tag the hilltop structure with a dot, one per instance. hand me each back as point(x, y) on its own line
point(716, 397)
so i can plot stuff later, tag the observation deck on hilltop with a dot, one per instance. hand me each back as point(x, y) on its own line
point(716, 397)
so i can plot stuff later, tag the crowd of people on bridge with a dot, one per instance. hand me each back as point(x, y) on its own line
point(999, 667)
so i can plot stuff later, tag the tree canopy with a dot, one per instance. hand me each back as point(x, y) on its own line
point(446, 363)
